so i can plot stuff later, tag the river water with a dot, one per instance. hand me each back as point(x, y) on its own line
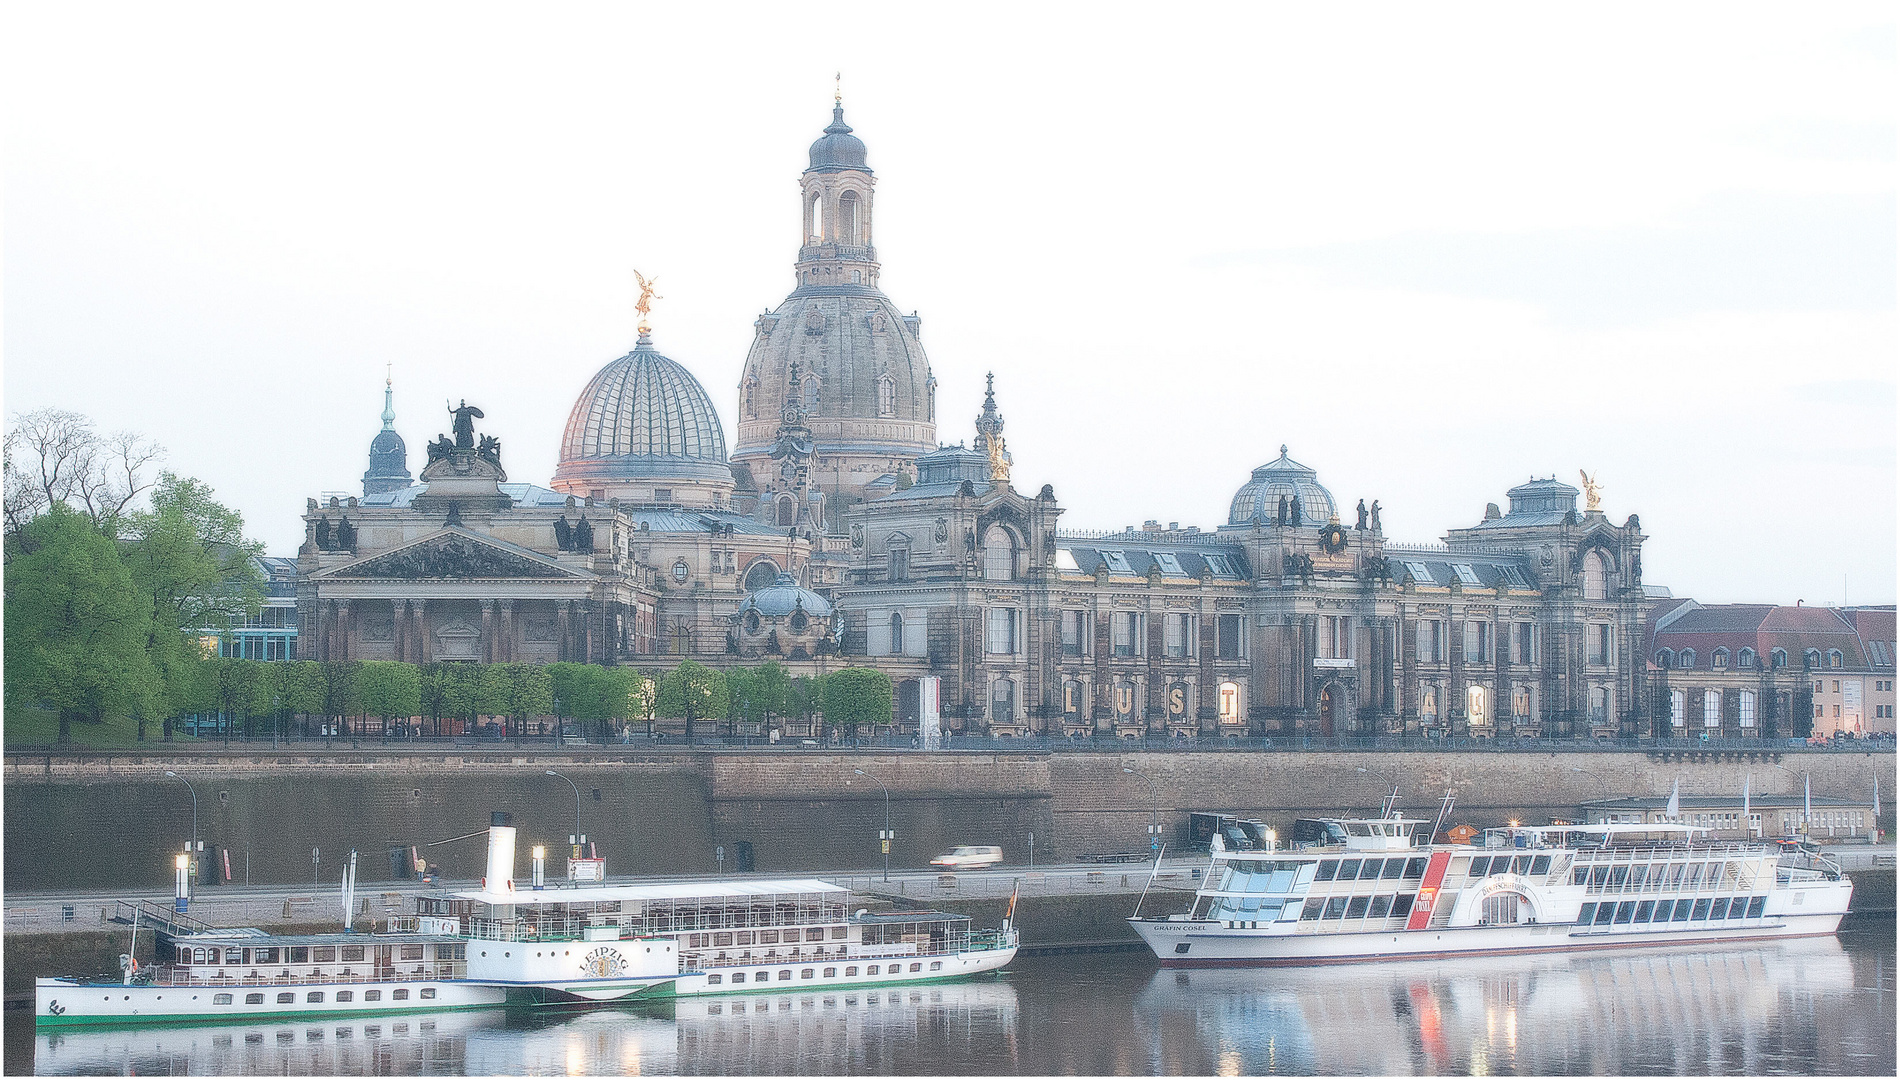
point(1814, 1006)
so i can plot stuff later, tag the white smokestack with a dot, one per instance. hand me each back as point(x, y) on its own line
point(501, 853)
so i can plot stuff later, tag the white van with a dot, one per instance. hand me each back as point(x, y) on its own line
point(969, 857)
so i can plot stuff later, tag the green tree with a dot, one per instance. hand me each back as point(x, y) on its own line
point(693, 691)
point(583, 691)
point(738, 698)
point(530, 693)
point(389, 689)
point(857, 697)
point(341, 697)
point(771, 690)
point(298, 685)
point(492, 691)
point(75, 626)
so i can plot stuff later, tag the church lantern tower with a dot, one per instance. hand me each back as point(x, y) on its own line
point(388, 457)
point(862, 379)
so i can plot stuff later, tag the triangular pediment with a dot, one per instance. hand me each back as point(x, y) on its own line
point(455, 554)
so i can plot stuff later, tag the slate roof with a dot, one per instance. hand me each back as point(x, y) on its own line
point(1720, 619)
point(1141, 557)
point(1442, 569)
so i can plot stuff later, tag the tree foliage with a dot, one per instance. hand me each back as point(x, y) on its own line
point(693, 691)
point(857, 697)
point(75, 626)
point(389, 689)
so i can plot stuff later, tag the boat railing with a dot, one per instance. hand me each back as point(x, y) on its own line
point(954, 942)
point(174, 975)
point(1818, 863)
point(536, 929)
point(1591, 855)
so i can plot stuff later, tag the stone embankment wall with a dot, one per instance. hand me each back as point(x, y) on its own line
point(112, 821)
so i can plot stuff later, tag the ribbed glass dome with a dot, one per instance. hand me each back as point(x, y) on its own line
point(642, 419)
point(1258, 501)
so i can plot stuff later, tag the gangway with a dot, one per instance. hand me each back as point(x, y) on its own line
point(174, 924)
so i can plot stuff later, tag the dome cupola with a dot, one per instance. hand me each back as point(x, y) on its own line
point(1258, 501)
point(782, 619)
point(388, 457)
point(645, 431)
point(837, 148)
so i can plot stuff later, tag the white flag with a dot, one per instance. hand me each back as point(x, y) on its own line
point(1674, 809)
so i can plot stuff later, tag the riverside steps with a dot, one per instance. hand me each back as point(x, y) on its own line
point(107, 821)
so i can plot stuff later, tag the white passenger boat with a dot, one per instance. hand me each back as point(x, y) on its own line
point(1374, 894)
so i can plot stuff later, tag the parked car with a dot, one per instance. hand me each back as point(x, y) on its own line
point(969, 857)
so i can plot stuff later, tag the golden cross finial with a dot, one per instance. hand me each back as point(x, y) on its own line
point(645, 304)
point(837, 94)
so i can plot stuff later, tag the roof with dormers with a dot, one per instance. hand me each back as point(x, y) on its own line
point(1437, 569)
point(1138, 556)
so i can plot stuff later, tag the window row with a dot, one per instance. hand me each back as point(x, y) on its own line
point(1638, 912)
point(1519, 642)
point(1682, 875)
point(785, 974)
point(316, 997)
point(1711, 702)
point(1128, 634)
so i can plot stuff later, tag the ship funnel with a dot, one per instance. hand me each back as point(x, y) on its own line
point(501, 853)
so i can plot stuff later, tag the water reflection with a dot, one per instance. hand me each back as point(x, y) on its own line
point(1747, 1010)
point(1809, 1007)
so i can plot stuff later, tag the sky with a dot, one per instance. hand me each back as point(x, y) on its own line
point(1434, 249)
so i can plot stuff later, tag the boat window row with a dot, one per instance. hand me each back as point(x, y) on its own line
point(785, 974)
point(1266, 875)
point(314, 954)
point(727, 938)
point(1641, 912)
point(316, 997)
point(1485, 865)
point(1679, 875)
point(1406, 868)
point(1357, 907)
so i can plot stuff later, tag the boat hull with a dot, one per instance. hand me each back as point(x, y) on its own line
point(73, 1002)
point(1210, 944)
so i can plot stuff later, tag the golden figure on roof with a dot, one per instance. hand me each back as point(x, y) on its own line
point(1592, 493)
point(999, 458)
point(645, 304)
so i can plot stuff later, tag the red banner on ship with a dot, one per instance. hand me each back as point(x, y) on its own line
point(1428, 891)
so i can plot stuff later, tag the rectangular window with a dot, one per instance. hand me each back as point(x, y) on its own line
point(372, 995)
point(872, 970)
point(850, 972)
point(1600, 644)
point(345, 995)
point(785, 975)
point(1074, 625)
point(399, 995)
point(1477, 643)
point(900, 564)
point(350, 953)
point(1125, 632)
point(1745, 705)
point(1326, 869)
point(831, 973)
point(253, 999)
point(1117, 563)
point(1002, 631)
point(1645, 909)
point(323, 954)
point(1522, 651)
point(1381, 907)
point(1168, 563)
point(804, 973)
point(1700, 912)
point(1311, 910)
point(1402, 905)
point(1604, 911)
point(220, 999)
point(715, 980)
point(936, 965)
point(1431, 641)
point(314, 996)
point(1711, 708)
point(426, 992)
point(1175, 630)
point(412, 952)
point(1229, 634)
point(1586, 914)
point(286, 998)
point(1336, 908)
point(297, 955)
point(815, 933)
point(917, 967)
point(1755, 906)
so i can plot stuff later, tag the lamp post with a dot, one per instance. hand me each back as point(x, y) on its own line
point(886, 836)
point(194, 847)
point(1393, 798)
point(1154, 812)
point(578, 838)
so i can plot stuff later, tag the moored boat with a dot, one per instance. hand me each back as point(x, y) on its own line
point(1373, 893)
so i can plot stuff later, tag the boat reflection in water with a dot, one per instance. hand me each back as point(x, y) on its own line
point(880, 1031)
point(1681, 1011)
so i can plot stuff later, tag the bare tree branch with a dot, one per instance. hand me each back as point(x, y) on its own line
point(55, 456)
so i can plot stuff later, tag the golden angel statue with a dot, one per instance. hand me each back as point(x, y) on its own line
point(1592, 493)
point(645, 304)
point(999, 458)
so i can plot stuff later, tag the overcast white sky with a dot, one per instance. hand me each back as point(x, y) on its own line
point(1436, 249)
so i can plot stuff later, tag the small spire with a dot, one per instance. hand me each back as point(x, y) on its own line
point(389, 398)
point(837, 94)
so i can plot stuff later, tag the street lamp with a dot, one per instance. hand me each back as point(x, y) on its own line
point(1392, 798)
point(577, 839)
point(1154, 813)
point(194, 809)
point(885, 837)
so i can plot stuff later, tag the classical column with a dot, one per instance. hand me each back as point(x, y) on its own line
point(505, 644)
point(398, 633)
point(562, 646)
point(419, 630)
point(584, 616)
point(343, 630)
point(325, 619)
point(488, 631)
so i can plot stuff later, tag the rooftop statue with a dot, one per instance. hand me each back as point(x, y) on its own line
point(1592, 493)
point(464, 424)
point(644, 305)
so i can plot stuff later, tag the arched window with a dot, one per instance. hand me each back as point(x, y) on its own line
point(682, 638)
point(1686, 660)
point(897, 633)
point(1071, 698)
point(1745, 659)
point(999, 554)
point(760, 574)
point(1834, 658)
point(787, 511)
point(1665, 658)
point(1778, 658)
point(1719, 659)
point(815, 219)
point(1476, 703)
point(1599, 705)
point(1596, 576)
point(886, 396)
point(1428, 704)
point(1521, 702)
point(849, 229)
point(1229, 696)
